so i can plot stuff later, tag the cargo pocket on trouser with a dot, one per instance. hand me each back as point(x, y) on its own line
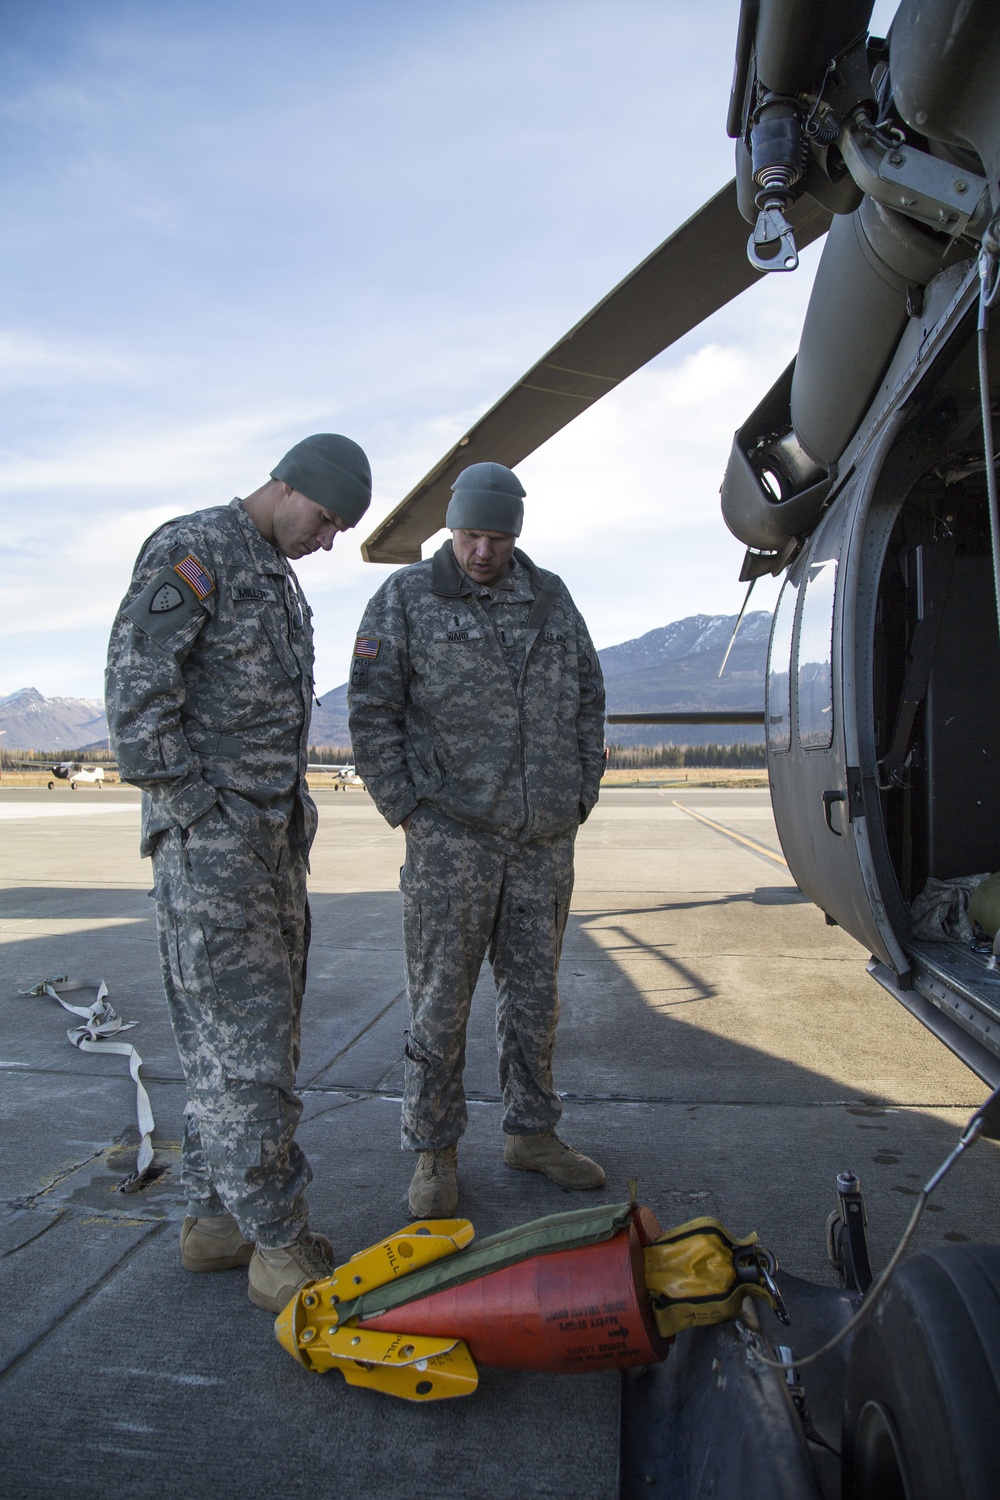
point(425, 919)
point(257, 1166)
point(563, 897)
point(212, 952)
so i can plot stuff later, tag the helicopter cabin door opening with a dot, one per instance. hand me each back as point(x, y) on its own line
point(935, 727)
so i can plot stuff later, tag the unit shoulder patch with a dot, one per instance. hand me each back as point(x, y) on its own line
point(163, 609)
point(195, 576)
point(165, 599)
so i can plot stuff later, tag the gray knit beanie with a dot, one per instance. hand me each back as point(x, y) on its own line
point(486, 497)
point(333, 471)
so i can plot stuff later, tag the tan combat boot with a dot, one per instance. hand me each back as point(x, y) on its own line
point(547, 1153)
point(213, 1244)
point(276, 1275)
point(434, 1189)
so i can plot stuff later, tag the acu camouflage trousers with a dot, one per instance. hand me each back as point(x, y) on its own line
point(466, 895)
point(233, 935)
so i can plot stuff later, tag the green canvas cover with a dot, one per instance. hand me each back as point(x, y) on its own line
point(984, 907)
point(582, 1226)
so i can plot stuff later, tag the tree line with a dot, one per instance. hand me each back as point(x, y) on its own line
point(10, 758)
point(651, 757)
point(620, 757)
point(331, 755)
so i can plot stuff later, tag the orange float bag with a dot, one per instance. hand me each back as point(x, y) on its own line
point(596, 1289)
point(564, 1310)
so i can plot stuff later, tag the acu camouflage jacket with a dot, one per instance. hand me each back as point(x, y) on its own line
point(209, 681)
point(459, 697)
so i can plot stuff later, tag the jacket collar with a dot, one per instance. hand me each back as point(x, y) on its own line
point(448, 580)
point(266, 559)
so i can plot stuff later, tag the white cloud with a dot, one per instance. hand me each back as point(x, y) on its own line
point(77, 580)
point(26, 360)
point(217, 253)
point(190, 460)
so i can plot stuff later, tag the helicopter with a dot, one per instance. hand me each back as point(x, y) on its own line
point(865, 475)
point(865, 478)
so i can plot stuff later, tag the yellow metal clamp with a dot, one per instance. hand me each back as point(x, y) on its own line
point(413, 1367)
point(399, 1254)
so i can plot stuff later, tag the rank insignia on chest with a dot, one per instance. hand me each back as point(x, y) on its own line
point(195, 576)
point(367, 647)
point(165, 599)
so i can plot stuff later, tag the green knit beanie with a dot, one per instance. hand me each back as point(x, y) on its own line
point(333, 471)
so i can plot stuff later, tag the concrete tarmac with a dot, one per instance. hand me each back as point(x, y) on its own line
point(718, 1042)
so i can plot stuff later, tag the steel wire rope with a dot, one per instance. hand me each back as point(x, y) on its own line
point(971, 1133)
point(989, 283)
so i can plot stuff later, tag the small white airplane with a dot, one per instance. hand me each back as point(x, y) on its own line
point(343, 776)
point(76, 772)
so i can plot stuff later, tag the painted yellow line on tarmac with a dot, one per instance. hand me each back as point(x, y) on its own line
point(730, 834)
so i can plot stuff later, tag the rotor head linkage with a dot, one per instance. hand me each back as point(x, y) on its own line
point(772, 246)
point(776, 152)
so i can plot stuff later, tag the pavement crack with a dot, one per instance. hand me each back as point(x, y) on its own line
point(357, 1092)
point(31, 1200)
point(358, 1096)
point(64, 1314)
point(345, 1103)
point(354, 1040)
point(52, 1220)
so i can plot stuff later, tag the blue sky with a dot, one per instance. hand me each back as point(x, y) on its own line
point(229, 225)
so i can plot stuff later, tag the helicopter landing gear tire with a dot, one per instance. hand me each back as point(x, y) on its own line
point(922, 1394)
point(72, 786)
point(51, 784)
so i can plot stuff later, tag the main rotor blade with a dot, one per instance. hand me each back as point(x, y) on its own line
point(692, 716)
point(700, 268)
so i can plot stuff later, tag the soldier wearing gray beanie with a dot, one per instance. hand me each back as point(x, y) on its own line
point(477, 720)
point(333, 471)
point(486, 497)
point(209, 690)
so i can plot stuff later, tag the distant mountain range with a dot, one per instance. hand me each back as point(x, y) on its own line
point(675, 667)
point(30, 722)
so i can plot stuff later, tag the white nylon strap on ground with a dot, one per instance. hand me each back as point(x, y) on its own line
point(100, 1024)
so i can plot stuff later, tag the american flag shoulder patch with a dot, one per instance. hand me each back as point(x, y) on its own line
point(367, 646)
point(192, 572)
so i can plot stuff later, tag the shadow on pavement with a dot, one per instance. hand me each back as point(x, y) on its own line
point(122, 1375)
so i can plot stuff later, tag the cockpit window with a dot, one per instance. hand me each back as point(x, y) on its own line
point(815, 657)
point(779, 691)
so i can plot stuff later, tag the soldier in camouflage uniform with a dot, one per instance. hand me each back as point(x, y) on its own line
point(477, 720)
point(209, 688)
